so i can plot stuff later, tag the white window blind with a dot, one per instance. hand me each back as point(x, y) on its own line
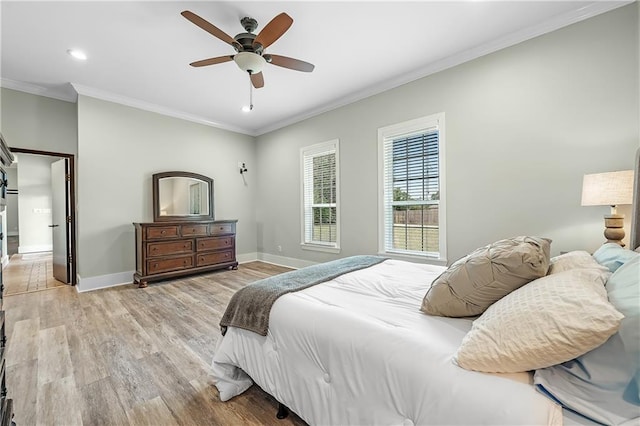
point(320, 196)
point(411, 213)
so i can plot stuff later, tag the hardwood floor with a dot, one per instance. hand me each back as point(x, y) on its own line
point(29, 272)
point(128, 356)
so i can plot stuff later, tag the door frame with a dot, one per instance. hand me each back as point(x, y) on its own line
point(71, 194)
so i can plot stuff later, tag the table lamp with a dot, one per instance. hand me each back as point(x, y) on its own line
point(609, 189)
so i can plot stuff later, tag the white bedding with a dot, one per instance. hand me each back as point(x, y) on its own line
point(356, 350)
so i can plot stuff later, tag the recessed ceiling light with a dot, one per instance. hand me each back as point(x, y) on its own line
point(78, 54)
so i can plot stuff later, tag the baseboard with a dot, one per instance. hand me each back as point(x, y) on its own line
point(104, 281)
point(289, 262)
point(247, 257)
point(123, 278)
point(35, 249)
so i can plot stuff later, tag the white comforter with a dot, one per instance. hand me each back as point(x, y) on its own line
point(357, 351)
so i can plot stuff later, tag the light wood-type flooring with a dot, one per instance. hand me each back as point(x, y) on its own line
point(128, 356)
point(29, 272)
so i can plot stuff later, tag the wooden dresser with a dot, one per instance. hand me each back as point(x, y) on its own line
point(172, 249)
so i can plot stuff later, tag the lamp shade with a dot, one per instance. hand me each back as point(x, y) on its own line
point(249, 62)
point(607, 189)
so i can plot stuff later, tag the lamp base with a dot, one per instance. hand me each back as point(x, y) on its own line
point(614, 228)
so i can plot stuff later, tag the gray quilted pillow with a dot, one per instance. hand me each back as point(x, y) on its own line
point(473, 283)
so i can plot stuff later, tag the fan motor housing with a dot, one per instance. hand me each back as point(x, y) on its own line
point(246, 41)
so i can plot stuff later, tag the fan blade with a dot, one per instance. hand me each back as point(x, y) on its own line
point(273, 30)
point(212, 61)
point(209, 27)
point(294, 64)
point(257, 80)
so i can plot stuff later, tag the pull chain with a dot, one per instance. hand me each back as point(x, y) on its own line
point(250, 94)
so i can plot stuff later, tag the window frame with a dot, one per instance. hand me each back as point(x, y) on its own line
point(403, 129)
point(314, 150)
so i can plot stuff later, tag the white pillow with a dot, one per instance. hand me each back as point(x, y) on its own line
point(548, 321)
point(572, 260)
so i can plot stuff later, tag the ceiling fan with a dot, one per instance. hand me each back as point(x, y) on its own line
point(250, 56)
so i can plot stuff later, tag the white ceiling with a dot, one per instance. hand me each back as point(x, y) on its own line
point(139, 51)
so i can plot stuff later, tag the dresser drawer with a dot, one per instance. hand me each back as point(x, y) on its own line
point(154, 232)
point(193, 230)
point(169, 247)
point(217, 257)
point(172, 264)
point(221, 228)
point(214, 243)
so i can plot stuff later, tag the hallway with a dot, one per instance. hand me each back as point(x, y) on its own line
point(29, 272)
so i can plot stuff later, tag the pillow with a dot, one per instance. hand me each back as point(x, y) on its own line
point(572, 260)
point(473, 283)
point(624, 292)
point(548, 321)
point(602, 384)
point(613, 256)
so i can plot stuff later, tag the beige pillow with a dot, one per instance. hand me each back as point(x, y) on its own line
point(479, 279)
point(548, 321)
point(573, 260)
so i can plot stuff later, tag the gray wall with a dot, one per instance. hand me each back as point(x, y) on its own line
point(119, 148)
point(34, 203)
point(522, 125)
point(36, 122)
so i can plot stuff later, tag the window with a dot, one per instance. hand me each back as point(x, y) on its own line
point(320, 195)
point(412, 189)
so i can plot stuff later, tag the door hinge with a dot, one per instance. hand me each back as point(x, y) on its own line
point(68, 178)
point(68, 219)
point(70, 258)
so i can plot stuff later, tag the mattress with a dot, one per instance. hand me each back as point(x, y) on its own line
point(357, 350)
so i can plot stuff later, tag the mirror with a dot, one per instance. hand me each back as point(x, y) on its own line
point(182, 196)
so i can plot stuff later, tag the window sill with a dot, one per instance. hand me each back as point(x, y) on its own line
point(315, 247)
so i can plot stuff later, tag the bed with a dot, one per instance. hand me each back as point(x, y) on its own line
point(356, 349)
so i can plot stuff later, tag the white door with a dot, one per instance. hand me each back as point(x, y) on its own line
point(59, 225)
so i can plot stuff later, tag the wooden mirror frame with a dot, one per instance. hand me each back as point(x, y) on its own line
point(186, 218)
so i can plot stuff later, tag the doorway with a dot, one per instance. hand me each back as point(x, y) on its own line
point(61, 213)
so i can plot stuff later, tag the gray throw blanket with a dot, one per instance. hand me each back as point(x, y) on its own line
point(250, 306)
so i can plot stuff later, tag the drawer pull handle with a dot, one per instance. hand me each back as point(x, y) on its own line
point(163, 232)
point(186, 245)
point(154, 248)
point(155, 265)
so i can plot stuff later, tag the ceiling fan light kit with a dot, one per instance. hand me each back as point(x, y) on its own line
point(249, 62)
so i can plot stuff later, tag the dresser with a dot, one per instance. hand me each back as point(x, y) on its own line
point(173, 249)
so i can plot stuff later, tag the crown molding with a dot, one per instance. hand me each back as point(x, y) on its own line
point(560, 21)
point(35, 89)
point(151, 107)
point(509, 40)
